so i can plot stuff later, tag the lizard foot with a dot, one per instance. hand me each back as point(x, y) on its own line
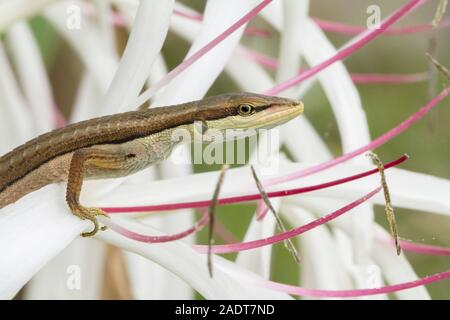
point(90, 214)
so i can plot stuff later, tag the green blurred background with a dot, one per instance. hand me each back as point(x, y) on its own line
point(427, 142)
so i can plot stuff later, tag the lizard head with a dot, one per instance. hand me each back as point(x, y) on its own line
point(247, 111)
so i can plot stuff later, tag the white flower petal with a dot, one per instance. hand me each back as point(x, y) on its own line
point(11, 11)
point(33, 76)
point(396, 269)
point(148, 279)
point(160, 284)
point(321, 265)
point(88, 96)
point(32, 231)
point(158, 71)
point(190, 266)
point(107, 28)
point(295, 13)
point(15, 121)
point(83, 257)
point(259, 260)
point(144, 44)
point(371, 276)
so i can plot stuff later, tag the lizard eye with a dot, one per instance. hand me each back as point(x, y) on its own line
point(245, 109)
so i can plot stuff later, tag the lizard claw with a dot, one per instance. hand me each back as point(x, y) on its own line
point(91, 214)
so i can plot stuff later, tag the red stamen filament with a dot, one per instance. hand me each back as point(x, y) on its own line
point(251, 197)
point(158, 239)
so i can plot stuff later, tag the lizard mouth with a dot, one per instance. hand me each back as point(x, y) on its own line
point(279, 114)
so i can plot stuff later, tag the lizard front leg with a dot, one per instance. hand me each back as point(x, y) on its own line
point(99, 158)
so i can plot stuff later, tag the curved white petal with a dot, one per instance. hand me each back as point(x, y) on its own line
point(369, 277)
point(259, 260)
point(33, 76)
point(32, 231)
point(88, 96)
point(295, 13)
point(397, 269)
point(321, 264)
point(84, 258)
point(148, 279)
point(144, 44)
point(11, 11)
point(107, 28)
point(173, 223)
point(158, 70)
point(15, 121)
point(190, 266)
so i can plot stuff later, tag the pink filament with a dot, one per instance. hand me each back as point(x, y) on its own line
point(415, 247)
point(354, 30)
point(372, 145)
point(347, 50)
point(261, 210)
point(353, 293)
point(360, 78)
point(332, 26)
point(423, 248)
point(58, 118)
point(222, 231)
point(198, 17)
point(191, 15)
point(118, 19)
point(407, 246)
point(159, 239)
point(251, 197)
point(236, 247)
point(366, 78)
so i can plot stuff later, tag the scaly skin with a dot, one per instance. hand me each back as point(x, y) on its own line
point(122, 144)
